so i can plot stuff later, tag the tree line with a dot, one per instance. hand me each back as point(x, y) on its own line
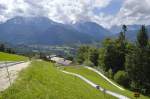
point(3, 48)
point(128, 63)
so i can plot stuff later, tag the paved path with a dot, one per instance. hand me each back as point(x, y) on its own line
point(95, 86)
point(13, 69)
point(99, 73)
point(3, 64)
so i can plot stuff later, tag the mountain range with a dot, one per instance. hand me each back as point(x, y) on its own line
point(42, 30)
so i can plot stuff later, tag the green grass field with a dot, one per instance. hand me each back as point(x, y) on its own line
point(11, 57)
point(42, 80)
point(94, 77)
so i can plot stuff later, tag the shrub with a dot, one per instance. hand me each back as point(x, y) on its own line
point(88, 63)
point(110, 74)
point(122, 78)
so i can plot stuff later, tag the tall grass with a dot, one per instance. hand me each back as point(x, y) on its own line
point(11, 57)
point(94, 77)
point(41, 80)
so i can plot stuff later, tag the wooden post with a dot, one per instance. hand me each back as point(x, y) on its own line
point(136, 95)
point(104, 92)
point(8, 74)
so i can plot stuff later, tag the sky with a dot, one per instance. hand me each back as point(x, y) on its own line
point(104, 12)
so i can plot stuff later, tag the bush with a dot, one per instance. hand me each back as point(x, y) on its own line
point(88, 63)
point(110, 74)
point(122, 78)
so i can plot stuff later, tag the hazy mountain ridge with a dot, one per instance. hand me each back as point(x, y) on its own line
point(93, 29)
point(116, 29)
point(41, 30)
point(132, 31)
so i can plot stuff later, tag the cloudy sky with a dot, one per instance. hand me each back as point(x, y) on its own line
point(104, 12)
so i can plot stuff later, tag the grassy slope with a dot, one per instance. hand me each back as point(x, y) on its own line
point(99, 80)
point(42, 80)
point(11, 57)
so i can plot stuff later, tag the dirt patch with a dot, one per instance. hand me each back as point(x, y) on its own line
point(5, 82)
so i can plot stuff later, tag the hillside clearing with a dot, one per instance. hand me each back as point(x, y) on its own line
point(99, 73)
point(97, 86)
point(42, 80)
point(94, 77)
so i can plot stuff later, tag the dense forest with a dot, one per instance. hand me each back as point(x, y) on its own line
point(128, 63)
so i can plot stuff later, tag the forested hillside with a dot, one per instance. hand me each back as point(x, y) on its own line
point(124, 61)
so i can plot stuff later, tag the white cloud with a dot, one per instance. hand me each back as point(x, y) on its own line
point(59, 10)
point(103, 19)
point(133, 12)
